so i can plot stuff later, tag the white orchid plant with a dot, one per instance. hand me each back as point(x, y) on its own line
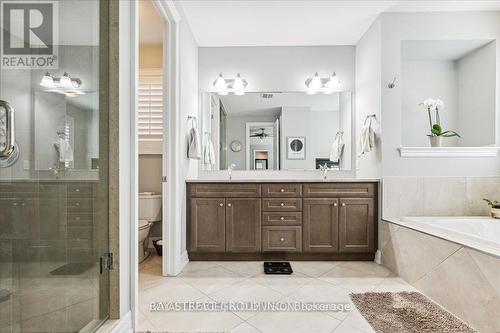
point(431, 104)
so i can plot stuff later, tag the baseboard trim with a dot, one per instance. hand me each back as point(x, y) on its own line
point(123, 325)
point(183, 261)
point(378, 257)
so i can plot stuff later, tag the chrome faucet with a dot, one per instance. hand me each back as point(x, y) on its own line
point(324, 169)
point(230, 170)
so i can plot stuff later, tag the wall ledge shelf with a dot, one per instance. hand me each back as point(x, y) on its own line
point(448, 151)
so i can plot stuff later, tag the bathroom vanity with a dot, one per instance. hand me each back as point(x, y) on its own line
point(291, 220)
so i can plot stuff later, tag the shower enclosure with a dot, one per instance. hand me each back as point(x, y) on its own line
point(54, 260)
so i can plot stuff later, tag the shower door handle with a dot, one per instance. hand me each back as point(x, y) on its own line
point(9, 130)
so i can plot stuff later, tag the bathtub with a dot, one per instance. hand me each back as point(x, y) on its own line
point(477, 232)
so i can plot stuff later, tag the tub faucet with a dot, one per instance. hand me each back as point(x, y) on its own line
point(230, 170)
point(324, 169)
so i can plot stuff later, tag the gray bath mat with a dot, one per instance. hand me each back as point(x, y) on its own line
point(73, 268)
point(406, 312)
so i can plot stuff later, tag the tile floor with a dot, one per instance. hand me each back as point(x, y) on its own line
point(244, 281)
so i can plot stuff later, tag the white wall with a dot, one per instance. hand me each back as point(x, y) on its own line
point(276, 68)
point(419, 81)
point(368, 95)
point(476, 96)
point(295, 122)
point(397, 27)
point(188, 105)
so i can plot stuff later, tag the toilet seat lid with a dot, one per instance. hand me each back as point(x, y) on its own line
point(143, 223)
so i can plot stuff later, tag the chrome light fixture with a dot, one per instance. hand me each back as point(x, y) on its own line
point(63, 85)
point(225, 86)
point(326, 85)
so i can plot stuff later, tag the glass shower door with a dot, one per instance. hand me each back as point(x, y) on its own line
point(53, 166)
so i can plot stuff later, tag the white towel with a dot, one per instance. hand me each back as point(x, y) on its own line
point(366, 139)
point(193, 144)
point(64, 149)
point(337, 148)
point(209, 152)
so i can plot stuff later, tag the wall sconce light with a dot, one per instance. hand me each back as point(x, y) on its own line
point(327, 85)
point(63, 85)
point(225, 86)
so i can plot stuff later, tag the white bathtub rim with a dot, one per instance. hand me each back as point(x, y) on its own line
point(454, 237)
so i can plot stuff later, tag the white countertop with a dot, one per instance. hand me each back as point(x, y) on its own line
point(282, 180)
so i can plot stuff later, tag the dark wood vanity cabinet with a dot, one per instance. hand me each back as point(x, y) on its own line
point(321, 225)
point(282, 221)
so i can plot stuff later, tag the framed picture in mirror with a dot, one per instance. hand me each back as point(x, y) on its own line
point(296, 147)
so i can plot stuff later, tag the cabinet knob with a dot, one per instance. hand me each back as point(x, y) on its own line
point(77, 190)
point(77, 204)
point(229, 204)
point(282, 204)
point(282, 239)
point(23, 204)
point(343, 204)
point(14, 204)
point(282, 218)
point(221, 204)
point(335, 204)
point(282, 190)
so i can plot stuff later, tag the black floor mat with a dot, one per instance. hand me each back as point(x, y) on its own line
point(73, 268)
point(277, 267)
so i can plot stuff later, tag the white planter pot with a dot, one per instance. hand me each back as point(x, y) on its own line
point(495, 213)
point(435, 141)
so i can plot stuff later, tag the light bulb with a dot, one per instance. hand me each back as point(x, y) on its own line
point(220, 85)
point(47, 81)
point(333, 82)
point(315, 82)
point(65, 82)
point(238, 83)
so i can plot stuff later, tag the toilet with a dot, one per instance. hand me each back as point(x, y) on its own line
point(149, 213)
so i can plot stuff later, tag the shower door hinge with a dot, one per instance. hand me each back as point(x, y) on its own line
point(106, 262)
point(164, 179)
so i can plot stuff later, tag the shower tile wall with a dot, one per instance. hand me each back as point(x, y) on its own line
point(438, 196)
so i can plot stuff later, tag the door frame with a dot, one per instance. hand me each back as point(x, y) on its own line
point(172, 262)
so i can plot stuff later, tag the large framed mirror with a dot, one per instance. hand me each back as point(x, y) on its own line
point(265, 131)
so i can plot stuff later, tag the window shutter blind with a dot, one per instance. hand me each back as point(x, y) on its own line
point(150, 104)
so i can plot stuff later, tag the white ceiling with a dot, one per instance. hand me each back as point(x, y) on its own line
point(449, 50)
point(300, 22)
point(252, 104)
point(150, 24)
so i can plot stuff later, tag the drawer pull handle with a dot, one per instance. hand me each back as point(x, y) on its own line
point(282, 190)
point(221, 204)
point(343, 204)
point(229, 204)
point(282, 218)
point(282, 204)
point(282, 239)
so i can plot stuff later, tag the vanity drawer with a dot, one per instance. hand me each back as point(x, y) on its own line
point(285, 190)
point(281, 205)
point(80, 190)
point(336, 190)
point(281, 239)
point(79, 205)
point(283, 218)
point(222, 190)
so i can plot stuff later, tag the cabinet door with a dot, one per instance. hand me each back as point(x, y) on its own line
point(207, 225)
point(357, 225)
point(243, 222)
point(320, 225)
